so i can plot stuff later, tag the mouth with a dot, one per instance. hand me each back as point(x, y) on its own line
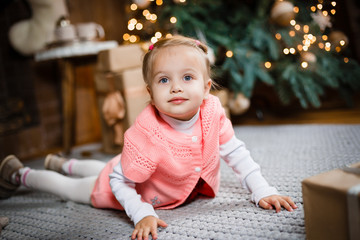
point(177, 100)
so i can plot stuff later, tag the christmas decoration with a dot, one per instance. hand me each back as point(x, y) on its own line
point(142, 3)
point(238, 103)
point(322, 20)
point(283, 44)
point(31, 35)
point(308, 57)
point(282, 13)
point(338, 40)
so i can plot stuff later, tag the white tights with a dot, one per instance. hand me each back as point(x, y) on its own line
point(76, 187)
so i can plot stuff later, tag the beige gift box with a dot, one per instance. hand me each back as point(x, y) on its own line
point(121, 92)
point(120, 58)
point(332, 204)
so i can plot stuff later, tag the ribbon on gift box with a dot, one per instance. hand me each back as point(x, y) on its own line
point(353, 205)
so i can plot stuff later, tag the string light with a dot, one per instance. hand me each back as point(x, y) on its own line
point(153, 39)
point(267, 65)
point(153, 17)
point(304, 64)
point(306, 28)
point(327, 46)
point(146, 12)
point(131, 27)
point(229, 54)
point(158, 35)
point(309, 39)
point(139, 26)
point(126, 36)
point(133, 38)
point(173, 20)
point(346, 60)
point(133, 7)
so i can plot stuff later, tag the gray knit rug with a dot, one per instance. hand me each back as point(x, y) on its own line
point(286, 153)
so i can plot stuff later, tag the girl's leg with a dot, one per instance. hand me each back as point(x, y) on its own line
point(67, 188)
point(74, 167)
point(83, 168)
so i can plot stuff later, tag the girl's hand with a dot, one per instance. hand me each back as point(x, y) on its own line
point(277, 202)
point(146, 226)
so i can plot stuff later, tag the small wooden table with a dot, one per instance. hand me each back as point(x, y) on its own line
point(66, 56)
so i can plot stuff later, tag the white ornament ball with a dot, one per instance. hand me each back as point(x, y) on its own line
point(282, 12)
point(308, 57)
point(142, 3)
point(336, 37)
point(238, 103)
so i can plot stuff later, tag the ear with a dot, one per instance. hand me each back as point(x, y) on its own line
point(150, 93)
point(207, 89)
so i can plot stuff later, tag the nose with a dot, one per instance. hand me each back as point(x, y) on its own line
point(176, 87)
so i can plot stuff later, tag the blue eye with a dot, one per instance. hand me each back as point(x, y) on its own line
point(187, 78)
point(164, 80)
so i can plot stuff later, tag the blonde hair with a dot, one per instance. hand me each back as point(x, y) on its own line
point(172, 42)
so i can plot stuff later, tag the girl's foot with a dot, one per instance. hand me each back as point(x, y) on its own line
point(9, 168)
point(54, 163)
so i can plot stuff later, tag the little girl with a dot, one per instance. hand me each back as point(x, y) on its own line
point(171, 154)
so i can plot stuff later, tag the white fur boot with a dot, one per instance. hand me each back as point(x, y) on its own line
point(31, 35)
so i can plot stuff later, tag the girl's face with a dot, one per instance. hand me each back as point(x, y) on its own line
point(179, 82)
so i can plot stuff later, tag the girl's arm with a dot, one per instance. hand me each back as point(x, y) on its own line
point(125, 192)
point(238, 158)
point(141, 213)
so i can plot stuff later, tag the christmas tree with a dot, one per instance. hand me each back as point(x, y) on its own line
point(289, 45)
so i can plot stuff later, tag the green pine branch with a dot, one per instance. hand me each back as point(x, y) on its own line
point(243, 27)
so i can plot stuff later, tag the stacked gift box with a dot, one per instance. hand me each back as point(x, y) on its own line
point(120, 85)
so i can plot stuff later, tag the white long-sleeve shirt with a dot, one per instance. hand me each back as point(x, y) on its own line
point(234, 153)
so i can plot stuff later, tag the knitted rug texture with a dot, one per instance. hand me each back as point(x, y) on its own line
point(286, 153)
